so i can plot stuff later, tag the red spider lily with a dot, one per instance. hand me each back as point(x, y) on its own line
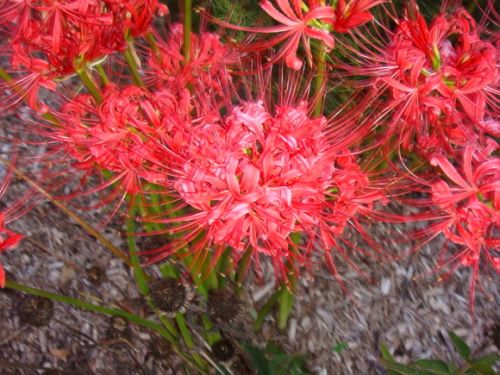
point(8, 238)
point(353, 14)
point(299, 22)
point(50, 40)
point(442, 78)
point(470, 209)
point(122, 135)
point(252, 179)
point(206, 67)
point(442, 81)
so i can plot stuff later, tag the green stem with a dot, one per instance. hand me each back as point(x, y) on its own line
point(91, 307)
point(104, 310)
point(139, 275)
point(188, 20)
point(285, 307)
point(132, 61)
point(90, 84)
point(320, 80)
point(188, 339)
point(243, 265)
point(266, 309)
point(102, 74)
point(152, 43)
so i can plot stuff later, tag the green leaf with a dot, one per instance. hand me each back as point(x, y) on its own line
point(258, 360)
point(460, 346)
point(266, 309)
point(435, 366)
point(274, 349)
point(386, 354)
point(400, 368)
point(339, 347)
point(285, 307)
point(285, 364)
point(169, 271)
point(484, 365)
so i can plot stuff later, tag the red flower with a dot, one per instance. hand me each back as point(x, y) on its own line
point(8, 238)
point(442, 79)
point(469, 209)
point(50, 40)
point(206, 68)
point(299, 22)
point(122, 135)
point(352, 14)
point(253, 178)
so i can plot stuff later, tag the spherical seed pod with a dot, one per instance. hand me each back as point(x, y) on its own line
point(35, 311)
point(240, 366)
point(159, 348)
point(96, 275)
point(224, 306)
point(169, 295)
point(223, 350)
point(495, 335)
point(118, 328)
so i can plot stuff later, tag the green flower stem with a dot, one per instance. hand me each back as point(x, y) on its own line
point(89, 83)
point(320, 80)
point(243, 265)
point(266, 309)
point(285, 306)
point(139, 274)
point(188, 20)
point(211, 336)
point(153, 45)
point(188, 339)
point(91, 307)
point(105, 310)
point(102, 74)
point(133, 63)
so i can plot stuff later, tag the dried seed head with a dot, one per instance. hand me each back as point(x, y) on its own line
point(495, 335)
point(96, 275)
point(241, 367)
point(118, 328)
point(35, 311)
point(169, 295)
point(223, 350)
point(159, 348)
point(52, 371)
point(224, 306)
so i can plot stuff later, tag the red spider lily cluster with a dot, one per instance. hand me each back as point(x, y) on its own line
point(49, 40)
point(227, 152)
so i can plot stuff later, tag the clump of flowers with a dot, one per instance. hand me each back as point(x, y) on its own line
point(206, 67)
point(121, 135)
point(49, 40)
point(442, 80)
point(253, 178)
point(300, 22)
point(163, 120)
point(469, 206)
